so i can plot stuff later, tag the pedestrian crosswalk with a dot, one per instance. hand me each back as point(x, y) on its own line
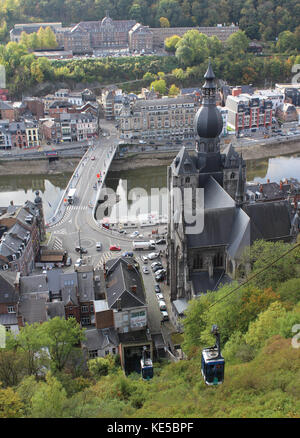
point(104, 257)
point(57, 244)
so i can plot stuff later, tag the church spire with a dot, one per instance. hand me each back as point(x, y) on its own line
point(208, 120)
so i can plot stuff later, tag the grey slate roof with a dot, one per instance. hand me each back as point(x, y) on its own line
point(86, 285)
point(265, 223)
point(119, 281)
point(7, 290)
point(183, 163)
point(8, 319)
point(33, 307)
point(34, 283)
point(99, 339)
point(202, 283)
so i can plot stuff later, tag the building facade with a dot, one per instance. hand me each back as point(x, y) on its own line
point(168, 118)
point(248, 113)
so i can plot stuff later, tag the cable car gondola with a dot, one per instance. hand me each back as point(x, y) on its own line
point(212, 362)
point(146, 366)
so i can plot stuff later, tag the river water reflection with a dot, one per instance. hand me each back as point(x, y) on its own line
point(20, 188)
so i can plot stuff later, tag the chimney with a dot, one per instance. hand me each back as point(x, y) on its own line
point(260, 188)
point(280, 185)
point(130, 267)
point(11, 202)
point(268, 181)
point(133, 288)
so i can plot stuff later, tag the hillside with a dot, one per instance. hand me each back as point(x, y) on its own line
point(260, 19)
point(259, 326)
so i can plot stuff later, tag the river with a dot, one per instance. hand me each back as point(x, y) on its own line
point(22, 187)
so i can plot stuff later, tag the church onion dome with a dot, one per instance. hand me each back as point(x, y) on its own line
point(208, 120)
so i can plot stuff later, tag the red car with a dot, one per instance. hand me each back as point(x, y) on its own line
point(114, 248)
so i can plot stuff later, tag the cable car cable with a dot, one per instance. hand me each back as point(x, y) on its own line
point(255, 275)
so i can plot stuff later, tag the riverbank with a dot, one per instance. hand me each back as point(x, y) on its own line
point(250, 153)
point(38, 167)
point(137, 161)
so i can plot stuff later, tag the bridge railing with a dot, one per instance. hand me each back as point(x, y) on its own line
point(62, 205)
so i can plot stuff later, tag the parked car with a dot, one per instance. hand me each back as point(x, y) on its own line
point(114, 248)
point(160, 277)
point(93, 158)
point(145, 259)
point(162, 305)
point(153, 255)
point(160, 297)
point(165, 315)
point(145, 270)
point(127, 254)
point(157, 268)
point(160, 242)
point(122, 231)
point(160, 271)
point(134, 234)
point(157, 289)
point(155, 264)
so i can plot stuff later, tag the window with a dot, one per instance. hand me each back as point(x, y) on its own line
point(84, 309)
point(106, 352)
point(93, 353)
point(85, 320)
point(11, 309)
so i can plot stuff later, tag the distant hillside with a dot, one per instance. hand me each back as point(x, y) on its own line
point(260, 19)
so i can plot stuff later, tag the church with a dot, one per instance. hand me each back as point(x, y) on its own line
point(233, 220)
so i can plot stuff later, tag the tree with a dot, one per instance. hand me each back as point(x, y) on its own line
point(10, 404)
point(30, 341)
point(49, 399)
point(192, 49)
point(289, 291)
point(101, 366)
point(173, 91)
point(171, 43)
point(286, 42)
point(266, 325)
point(237, 43)
point(12, 367)
point(159, 86)
point(149, 76)
point(61, 336)
point(164, 22)
point(50, 39)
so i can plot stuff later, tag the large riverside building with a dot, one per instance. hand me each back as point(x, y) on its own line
point(203, 258)
point(249, 112)
point(108, 34)
point(158, 119)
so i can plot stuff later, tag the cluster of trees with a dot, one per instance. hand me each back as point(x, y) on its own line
point(259, 19)
point(232, 63)
point(43, 39)
point(288, 41)
point(262, 367)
